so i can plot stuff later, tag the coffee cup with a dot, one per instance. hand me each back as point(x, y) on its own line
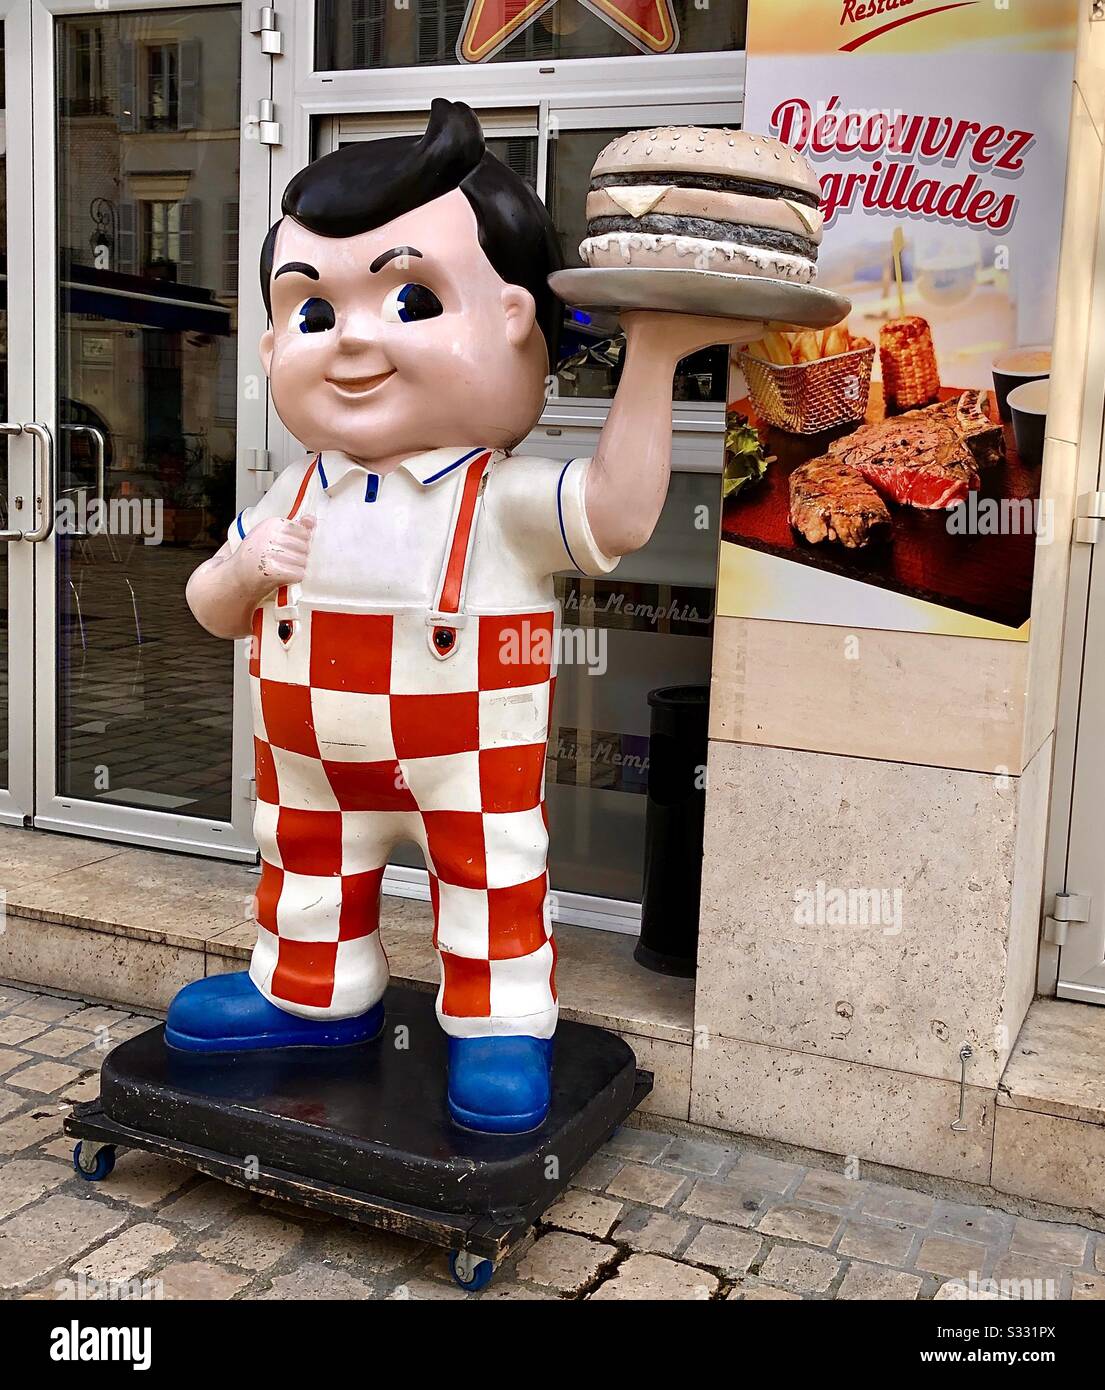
point(1028, 407)
point(1018, 365)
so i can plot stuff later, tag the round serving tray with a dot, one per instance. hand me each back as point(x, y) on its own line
point(700, 292)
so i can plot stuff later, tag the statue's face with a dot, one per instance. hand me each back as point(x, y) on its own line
point(402, 339)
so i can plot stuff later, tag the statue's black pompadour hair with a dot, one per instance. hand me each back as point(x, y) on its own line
point(364, 185)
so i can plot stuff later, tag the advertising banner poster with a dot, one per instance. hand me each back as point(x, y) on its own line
point(939, 133)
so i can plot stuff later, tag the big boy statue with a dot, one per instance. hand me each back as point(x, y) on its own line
point(398, 587)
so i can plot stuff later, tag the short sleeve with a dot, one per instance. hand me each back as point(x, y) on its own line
point(538, 505)
point(278, 501)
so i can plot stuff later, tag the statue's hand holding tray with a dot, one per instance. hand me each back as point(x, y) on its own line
point(716, 223)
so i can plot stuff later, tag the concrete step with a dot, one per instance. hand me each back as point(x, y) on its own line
point(1049, 1134)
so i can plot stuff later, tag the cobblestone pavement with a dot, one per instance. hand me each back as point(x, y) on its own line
point(651, 1216)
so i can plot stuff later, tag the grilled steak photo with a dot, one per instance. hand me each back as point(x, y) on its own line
point(926, 458)
point(830, 501)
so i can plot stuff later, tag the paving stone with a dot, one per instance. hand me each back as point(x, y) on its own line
point(253, 1241)
point(807, 1224)
point(802, 1270)
point(44, 1077)
point(1085, 1286)
point(584, 1212)
point(202, 1206)
point(369, 1252)
point(1048, 1241)
point(761, 1171)
point(199, 1279)
point(971, 1223)
point(97, 1016)
point(698, 1156)
point(47, 1008)
point(11, 997)
point(957, 1291)
point(953, 1258)
point(143, 1180)
point(652, 1232)
point(869, 1240)
point(652, 1277)
point(316, 1281)
point(279, 1207)
point(598, 1171)
point(900, 1205)
point(830, 1189)
point(1023, 1276)
point(652, 1187)
point(508, 1291)
point(87, 1088)
point(419, 1289)
point(15, 1029)
point(21, 1131)
point(61, 1149)
point(864, 1281)
point(725, 1248)
point(563, 1261)
point(25, 1180)
point(59, 1042)
point(127, 1256)
point(11, 1101)
point(640, 1144)
point(755, 1291)
point(56, 1231)
point(731, 1203)
point(10, 1058)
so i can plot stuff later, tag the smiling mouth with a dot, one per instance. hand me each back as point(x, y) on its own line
point(354, 387)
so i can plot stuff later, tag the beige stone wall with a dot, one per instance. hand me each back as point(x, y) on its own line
point(894, 761)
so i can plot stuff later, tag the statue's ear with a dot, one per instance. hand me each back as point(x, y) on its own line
point(521, 314)
point(268, 340)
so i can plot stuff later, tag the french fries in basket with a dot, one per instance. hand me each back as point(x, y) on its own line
point(787, 349)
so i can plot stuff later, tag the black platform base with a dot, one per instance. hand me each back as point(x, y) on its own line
point(363, 1132)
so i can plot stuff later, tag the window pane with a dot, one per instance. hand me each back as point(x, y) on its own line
point(379, 33)
point(590, 350)
point(147, 228)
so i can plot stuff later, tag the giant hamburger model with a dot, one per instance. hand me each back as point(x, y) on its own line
point(688, 198)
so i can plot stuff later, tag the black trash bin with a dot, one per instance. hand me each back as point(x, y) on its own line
point(673, 829)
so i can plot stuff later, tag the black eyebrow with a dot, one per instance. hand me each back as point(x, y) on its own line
point(297, 268)
point(381, 261)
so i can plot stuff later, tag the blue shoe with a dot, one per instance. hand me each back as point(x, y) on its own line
point(500, 1085)
point(228, 1013)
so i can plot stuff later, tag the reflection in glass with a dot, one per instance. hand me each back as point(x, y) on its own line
point(148, 139)
point(423, 33)
point(591, 347)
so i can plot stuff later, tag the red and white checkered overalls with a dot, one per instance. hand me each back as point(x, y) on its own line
point(374, 728)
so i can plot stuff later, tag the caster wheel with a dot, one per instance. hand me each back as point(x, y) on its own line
point(469, 1271)
point(94, 1163)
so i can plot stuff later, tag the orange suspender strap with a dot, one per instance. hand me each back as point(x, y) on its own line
point(282, 592)
point(451, 590)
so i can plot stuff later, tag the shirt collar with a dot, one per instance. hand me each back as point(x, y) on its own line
point(424, 468)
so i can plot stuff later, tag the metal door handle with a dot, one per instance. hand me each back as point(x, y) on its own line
point(101, 454)
point(44, 480)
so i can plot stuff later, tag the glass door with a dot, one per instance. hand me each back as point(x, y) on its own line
point(140, 167)
point(24, 453)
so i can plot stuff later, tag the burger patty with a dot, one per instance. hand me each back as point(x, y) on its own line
point(663, 224)
point(716, 183)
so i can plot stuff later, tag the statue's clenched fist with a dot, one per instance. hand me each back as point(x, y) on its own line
point(275, 553)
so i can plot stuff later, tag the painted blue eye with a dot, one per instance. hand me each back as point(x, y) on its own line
point(313, 316)
point(411, 304)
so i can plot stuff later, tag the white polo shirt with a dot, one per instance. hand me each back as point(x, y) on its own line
point(381, 540)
